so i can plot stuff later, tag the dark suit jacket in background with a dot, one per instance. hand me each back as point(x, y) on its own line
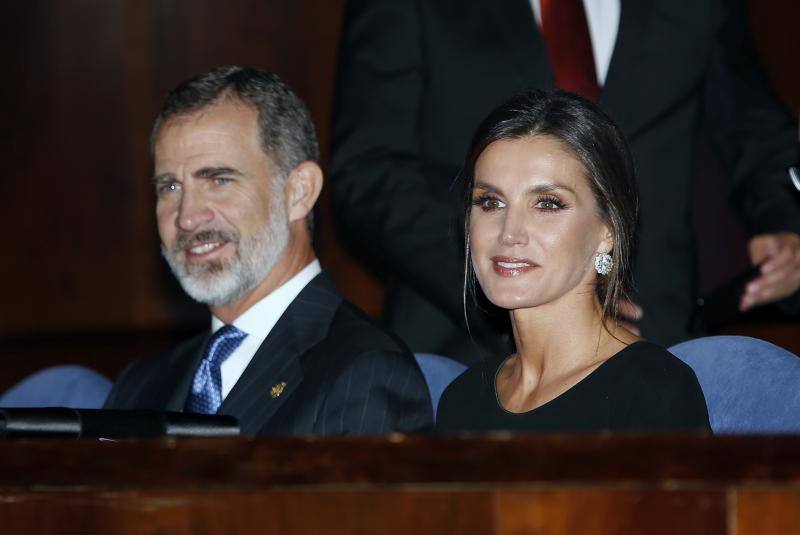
point(417, 76)
point(343, 375)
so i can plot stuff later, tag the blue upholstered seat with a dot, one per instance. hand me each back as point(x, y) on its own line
point(751, 386)
point(439, 372)
point(60, 386)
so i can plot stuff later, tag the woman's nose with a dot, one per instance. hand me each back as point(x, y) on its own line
point(513, 233)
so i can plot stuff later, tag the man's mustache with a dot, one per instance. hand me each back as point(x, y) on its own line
point(186, 240)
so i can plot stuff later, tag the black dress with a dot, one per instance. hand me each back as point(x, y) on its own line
point(641, 388)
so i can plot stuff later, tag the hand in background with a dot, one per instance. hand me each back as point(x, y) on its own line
point(779, 258)
point(630, 312)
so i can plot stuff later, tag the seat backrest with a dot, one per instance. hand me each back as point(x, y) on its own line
point(70, 386)
point(439, 372)
point(750, 386)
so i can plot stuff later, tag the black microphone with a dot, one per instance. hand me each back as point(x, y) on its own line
point(60, 422)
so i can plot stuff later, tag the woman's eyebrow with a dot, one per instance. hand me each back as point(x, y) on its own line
point(544, 187)
point(487, 187)
point(547, 187)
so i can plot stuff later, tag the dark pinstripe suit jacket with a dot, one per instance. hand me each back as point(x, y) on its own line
point(343, 375)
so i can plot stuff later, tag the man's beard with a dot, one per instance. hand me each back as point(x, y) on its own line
point(222, 282)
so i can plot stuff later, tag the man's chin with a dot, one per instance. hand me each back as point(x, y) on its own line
point(211, 298)
point(211, 289)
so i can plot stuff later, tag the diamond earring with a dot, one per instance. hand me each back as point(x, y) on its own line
point(603, 263)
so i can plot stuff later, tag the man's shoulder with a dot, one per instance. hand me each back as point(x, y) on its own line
point(353, 327)
point(364, 379)
point(357, 346)
point(350, 329)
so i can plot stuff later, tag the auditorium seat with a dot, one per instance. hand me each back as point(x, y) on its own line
point(439, 372)
point(70, 386)
point(751, 386)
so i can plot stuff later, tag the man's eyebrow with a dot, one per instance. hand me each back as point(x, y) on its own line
point(213, 172)
point(155, 180)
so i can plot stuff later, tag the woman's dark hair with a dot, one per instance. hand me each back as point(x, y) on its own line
point(593, 138)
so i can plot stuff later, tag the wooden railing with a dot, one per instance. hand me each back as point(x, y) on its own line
point(501, 484)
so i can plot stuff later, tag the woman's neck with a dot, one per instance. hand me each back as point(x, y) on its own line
point(562, 340)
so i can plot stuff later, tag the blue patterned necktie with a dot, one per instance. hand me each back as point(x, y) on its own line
point(206, 394)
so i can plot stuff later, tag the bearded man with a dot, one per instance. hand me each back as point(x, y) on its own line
point(236, 179)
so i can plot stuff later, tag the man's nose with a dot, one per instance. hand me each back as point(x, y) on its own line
point(193, 213)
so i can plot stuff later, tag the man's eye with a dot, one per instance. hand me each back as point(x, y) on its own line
point(487, 203)
point(167, 187)
point(221, 180)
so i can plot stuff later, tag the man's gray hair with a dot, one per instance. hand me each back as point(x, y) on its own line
point(285, 127)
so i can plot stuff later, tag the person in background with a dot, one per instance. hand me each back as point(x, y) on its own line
point(415, 78)
point(236, 179)
point(550, 204)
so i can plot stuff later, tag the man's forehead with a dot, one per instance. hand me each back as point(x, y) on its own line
point(225, 128)
point(225, 114)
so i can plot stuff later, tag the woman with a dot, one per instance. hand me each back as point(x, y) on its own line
point(550, 215)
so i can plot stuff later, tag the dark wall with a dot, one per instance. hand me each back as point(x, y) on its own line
point(85, 82)
point(775, 29)
point(82, 85)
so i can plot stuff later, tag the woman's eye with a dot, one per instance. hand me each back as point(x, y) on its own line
point(549, 204)
point(487, 204)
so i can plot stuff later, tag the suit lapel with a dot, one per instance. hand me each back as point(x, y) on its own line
point(261, 391)
point(620, 95)
point(513, 23)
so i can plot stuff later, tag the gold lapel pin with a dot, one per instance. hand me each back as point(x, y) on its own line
point(277, 390)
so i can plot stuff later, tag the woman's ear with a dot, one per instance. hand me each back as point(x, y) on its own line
point(303, 187)
point(606, 241)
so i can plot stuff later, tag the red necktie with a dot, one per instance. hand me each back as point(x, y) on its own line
point(569, 46)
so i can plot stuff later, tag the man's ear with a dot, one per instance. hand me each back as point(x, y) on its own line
point(303, 187)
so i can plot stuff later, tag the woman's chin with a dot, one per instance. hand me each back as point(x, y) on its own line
point(512, 301)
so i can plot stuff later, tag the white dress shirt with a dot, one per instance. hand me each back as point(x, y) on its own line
point(602, 16)
point(258, 321)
